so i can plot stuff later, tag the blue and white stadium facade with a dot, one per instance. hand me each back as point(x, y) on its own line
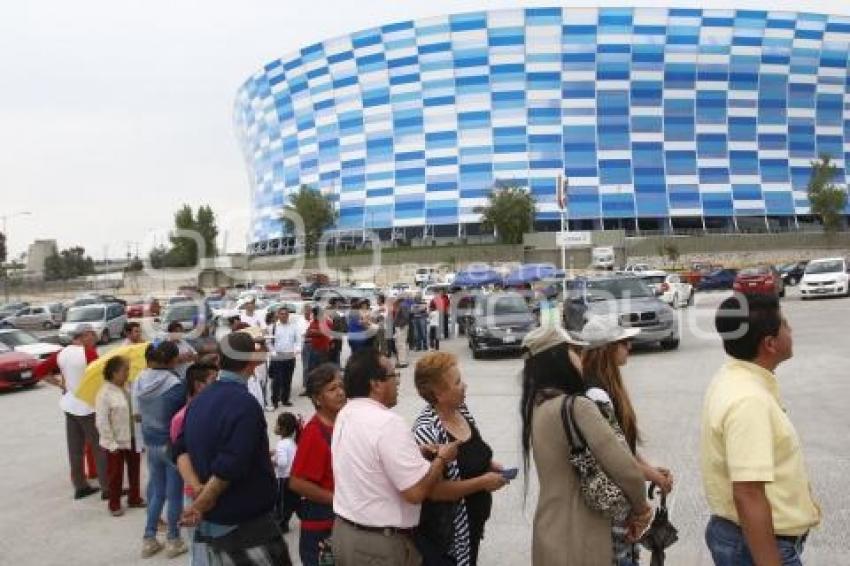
point(659, 118)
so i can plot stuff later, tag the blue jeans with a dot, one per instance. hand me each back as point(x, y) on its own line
point(728, 546)
point(420, 333)
point(164, 484)
point(308, 546)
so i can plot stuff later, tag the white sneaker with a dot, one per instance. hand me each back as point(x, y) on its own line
point(175, 547)
point(150, 546)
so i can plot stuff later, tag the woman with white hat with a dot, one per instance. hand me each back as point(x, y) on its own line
point(566, 530)
point(607, 350)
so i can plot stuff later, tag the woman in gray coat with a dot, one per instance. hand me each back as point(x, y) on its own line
point(566, 531)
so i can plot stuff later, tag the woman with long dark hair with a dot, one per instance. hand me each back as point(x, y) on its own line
point(566, 531)
point(607, 350)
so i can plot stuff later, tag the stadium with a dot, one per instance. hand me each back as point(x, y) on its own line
point(659, 120)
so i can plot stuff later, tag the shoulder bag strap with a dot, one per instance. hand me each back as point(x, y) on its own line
point(574, 434)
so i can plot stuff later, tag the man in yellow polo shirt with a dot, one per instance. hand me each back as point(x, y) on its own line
point(753, 472)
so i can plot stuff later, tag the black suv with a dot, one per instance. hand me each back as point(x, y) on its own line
point(499, 322)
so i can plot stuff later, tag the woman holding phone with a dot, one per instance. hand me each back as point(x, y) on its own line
point(452, 522)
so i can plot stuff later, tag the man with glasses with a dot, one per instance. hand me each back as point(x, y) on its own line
point(380, 475)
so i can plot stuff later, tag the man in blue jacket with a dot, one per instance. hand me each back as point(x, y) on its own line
point(226, 440)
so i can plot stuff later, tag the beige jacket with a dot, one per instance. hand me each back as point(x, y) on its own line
point(566, 532)
point(114, 417)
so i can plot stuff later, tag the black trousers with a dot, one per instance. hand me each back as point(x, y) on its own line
point(281, 373)
point(444, 318)
point(434, 337)
point(285, 505)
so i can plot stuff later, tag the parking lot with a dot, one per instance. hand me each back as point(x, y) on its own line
point(44, 526)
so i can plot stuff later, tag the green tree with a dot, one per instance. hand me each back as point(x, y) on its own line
point(827, 199)
point(510, 211)
point(67, 264)
point(206, 226)
point(317, 214)
point(159, 257)
point(184, 249)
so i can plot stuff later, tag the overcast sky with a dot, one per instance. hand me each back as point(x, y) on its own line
point(114, 113)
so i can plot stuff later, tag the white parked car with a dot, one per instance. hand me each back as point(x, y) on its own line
point(637, 268)
point(602, 258)
point(397, 289)
point(424, 275)
point(21, 341)
point(669, 287)
point(828, 277)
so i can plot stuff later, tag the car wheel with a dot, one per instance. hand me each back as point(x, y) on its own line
point(792, 281)
point(670, 344)
point(47, 325)
point(104, 338)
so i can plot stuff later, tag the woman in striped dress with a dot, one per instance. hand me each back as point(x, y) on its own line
point(452, 523)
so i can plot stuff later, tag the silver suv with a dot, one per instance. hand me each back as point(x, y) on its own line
point(629, 299)
point(107, 320)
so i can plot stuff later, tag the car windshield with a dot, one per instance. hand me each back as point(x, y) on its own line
point(654, 279)
point(752, 271)
point(83, 302)
point(17, 338)
point(182, 312)
point(617, 289)
point(510, 305)
point(830, 266)
point(88, 314)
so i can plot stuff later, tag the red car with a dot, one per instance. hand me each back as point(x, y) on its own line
point(763, 280)
point(16, 369)
point(142, 308)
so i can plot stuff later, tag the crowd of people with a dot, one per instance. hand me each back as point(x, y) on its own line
point(369, 488)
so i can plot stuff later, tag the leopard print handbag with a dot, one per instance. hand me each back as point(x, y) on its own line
point(600, 493)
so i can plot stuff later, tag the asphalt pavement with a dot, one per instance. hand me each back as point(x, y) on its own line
point(43, 525)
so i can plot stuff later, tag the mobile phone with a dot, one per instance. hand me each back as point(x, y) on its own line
point(509, 473)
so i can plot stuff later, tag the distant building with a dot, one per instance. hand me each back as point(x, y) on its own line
point(38, 253)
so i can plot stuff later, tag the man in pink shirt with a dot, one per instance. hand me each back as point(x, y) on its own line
point(380, 475)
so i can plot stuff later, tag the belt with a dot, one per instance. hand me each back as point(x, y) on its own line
point(386, 531)
point(793, 539)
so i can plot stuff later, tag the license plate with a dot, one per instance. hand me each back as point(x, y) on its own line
point(753, 284)
point(26, 374)
point(509, 339)
point(819, 291)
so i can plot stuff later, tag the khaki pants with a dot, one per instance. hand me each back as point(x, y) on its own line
point(400, 336)
point(356, 547)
